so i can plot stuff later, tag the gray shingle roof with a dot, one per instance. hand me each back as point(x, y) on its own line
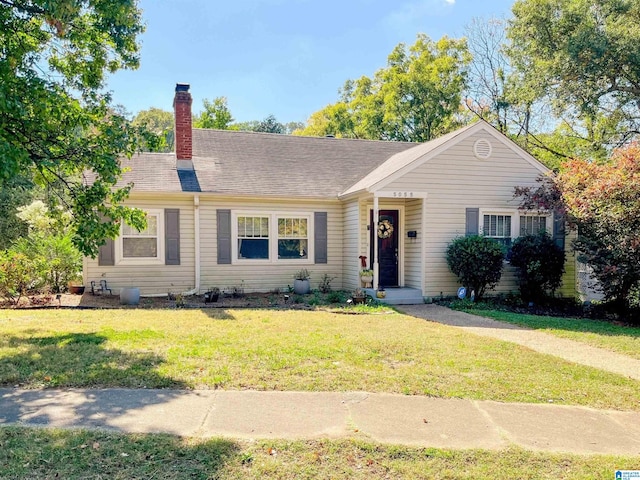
point(262, 164)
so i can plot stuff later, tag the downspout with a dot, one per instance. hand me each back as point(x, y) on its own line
point(196, 232)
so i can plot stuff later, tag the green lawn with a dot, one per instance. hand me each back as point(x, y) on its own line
point(288, 350)
point(598, 333)
point(43, 454)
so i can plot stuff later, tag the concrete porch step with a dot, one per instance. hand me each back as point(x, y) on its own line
point(399, 296)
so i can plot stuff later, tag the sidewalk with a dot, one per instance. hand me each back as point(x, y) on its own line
point(540, 342)
point(385, 418)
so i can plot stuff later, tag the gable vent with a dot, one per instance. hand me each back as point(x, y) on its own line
point(482, 149)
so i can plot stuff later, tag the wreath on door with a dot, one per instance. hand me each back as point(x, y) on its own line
point(385, 229)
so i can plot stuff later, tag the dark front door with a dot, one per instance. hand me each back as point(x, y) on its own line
point(385, 233)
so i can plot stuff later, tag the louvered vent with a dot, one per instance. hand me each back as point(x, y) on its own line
point(482, 148)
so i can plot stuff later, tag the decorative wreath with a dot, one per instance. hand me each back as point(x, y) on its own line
point(385, 229)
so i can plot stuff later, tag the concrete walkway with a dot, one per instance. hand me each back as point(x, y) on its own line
point(393, 419)
point(570, 350)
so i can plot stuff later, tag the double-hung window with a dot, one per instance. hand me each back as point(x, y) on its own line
point(497, 227)
point(145, 246)
point(253, 237)
point(272, 237)
point(532, 224)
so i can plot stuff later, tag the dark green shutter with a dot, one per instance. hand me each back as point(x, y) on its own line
point(320, 237)
point(106, 253)
point(472, 222)
point(172, 236)
point(224, 236)
point(559, 229)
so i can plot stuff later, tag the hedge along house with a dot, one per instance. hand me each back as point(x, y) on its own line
point(250, 209)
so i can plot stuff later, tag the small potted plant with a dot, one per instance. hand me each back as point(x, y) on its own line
point(358, 296)
point(366, 277)
point(212, 295)
point(381, 293)
point(301, 283)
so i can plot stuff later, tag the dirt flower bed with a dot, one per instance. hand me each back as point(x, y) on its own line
point(250, 300)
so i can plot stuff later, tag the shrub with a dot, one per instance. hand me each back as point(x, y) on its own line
point(540, 265)
point(477, 262)
point(18, 275)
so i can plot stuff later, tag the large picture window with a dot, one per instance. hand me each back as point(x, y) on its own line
point(272, 237)
point(253, 237)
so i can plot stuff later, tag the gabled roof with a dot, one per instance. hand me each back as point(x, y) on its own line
point(262, 164)
point(410, 158)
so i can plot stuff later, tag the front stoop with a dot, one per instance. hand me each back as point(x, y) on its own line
point(399, 296)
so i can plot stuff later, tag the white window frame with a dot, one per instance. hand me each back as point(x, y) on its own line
point(159, 260)
point(273, 238)
point(515, 219)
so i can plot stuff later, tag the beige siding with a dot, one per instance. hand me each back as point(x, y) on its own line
point(154, 279)
point(413, 246)
point(570, 277)
point(456, 180)
point(351, 245)
point(271, 276)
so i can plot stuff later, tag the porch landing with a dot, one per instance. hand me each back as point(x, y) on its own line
point(399, 296)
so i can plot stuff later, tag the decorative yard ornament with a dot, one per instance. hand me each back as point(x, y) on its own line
point(385, 229)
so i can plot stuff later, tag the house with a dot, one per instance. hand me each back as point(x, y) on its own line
point(250, 209)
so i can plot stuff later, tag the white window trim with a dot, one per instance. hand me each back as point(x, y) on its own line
point(273, 238)
point(159, 260)
point(515, 219)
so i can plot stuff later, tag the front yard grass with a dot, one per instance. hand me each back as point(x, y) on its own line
point(289, 350)
point(50, 453)
point(598, 333)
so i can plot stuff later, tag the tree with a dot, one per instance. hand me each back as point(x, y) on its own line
point(14, 193)
point(56, 124)
point(270, 125)
point(216, 114)
point(414, 98)
point(160, 123)
point(583, 55)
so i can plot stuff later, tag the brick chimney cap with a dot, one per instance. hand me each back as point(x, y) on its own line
point(182, 87)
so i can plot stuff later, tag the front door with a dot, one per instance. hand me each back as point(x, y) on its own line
point(386, 231)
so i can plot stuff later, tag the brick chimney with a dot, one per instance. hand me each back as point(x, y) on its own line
point(184, 136)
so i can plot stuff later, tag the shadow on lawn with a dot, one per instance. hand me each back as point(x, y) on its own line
point(79, 360)
point(99, 454)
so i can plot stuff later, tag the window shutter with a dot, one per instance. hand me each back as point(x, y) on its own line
point(320, 237)
point(224, 236)
point(106, 253)
point(472, 222)
point(559, 229)
point(172, 236)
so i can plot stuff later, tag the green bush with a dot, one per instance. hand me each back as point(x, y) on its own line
point(477, 261)
point(18, 275)
point(540, 265)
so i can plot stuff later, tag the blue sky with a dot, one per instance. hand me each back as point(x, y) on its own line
point(282, 57)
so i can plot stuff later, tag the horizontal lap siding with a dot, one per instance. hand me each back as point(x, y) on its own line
point(413, 246)
point(268, 277)
point(351, 237)
point(456, 180)
point(153, 279)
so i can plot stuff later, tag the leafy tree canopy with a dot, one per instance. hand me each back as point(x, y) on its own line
point(583, 55)
point(55, 121)
point(414, 98)
point(216, 114)
point(160, 123)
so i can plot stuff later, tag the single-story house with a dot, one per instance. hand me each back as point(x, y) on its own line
point(250, 209)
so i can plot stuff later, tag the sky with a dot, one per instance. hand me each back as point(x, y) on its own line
point(286, 58)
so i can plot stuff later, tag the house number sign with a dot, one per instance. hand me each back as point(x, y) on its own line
point(402, 194)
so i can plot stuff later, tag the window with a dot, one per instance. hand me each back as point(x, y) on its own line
point(273, 237)
point(498, 227)
point(146, 246)
point(142, 244)
point(253, 237)
point(293, 241)
point(532, 225)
